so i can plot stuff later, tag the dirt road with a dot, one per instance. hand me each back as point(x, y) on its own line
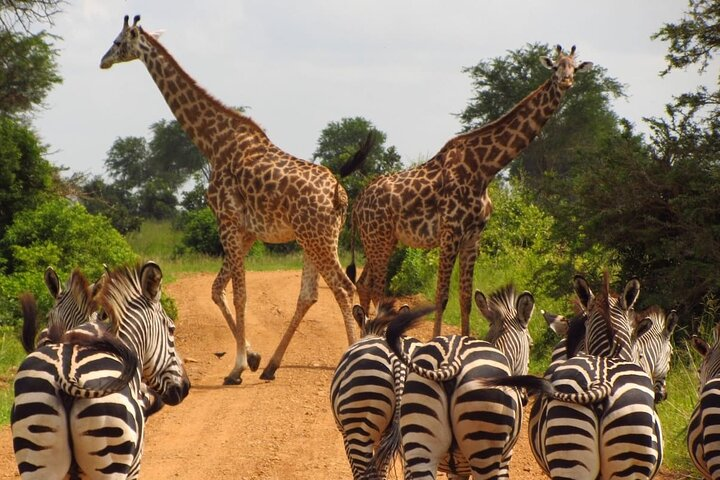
point(258, 430)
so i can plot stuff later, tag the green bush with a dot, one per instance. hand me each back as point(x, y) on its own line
point(417, 269)
point(60, 234)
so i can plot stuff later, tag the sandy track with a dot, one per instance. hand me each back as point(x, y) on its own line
point(258, 430)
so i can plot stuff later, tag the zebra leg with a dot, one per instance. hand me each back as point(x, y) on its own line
point(425, 427)
point(39, 422)
point(107, 435)
point(308, 297)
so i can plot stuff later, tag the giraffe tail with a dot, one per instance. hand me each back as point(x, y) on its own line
point(360, 156)
point(351, 270)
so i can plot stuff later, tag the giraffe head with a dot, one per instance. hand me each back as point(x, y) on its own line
point(128, 45)
point(564, 67)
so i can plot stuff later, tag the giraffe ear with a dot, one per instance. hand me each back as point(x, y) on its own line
point(156, 33)
point(547, 63)
point(584, 67)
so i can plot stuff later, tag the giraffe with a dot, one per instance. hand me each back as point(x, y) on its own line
point(444, 202)
point(256, 190)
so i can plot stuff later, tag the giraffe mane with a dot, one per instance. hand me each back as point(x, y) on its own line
point(216, 103)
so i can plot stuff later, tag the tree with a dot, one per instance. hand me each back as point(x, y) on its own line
point(573, 133)
point(173, 156)
point(28, 71)
point(22, 14)
point(340, 140)
point(126, 162)
point(25, 176)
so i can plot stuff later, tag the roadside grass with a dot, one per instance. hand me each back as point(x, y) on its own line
point(157, 241)
point(11, 354)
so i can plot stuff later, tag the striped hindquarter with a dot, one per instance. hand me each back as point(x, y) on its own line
point(452, 426)
point(55, 433)
point(703, 437)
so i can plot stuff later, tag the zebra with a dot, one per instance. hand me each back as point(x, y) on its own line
point(597, 417)
point(653, 342)
point(655, 347)
point(99, 438)
point(446, 423)
point(72, 306)
point(704, 428)
point(365, 385)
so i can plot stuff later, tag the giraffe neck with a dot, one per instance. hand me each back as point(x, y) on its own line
point(497, 143)
point(208, 123)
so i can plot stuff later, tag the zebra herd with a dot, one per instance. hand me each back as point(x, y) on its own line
point(454, 404)
point(105, 363)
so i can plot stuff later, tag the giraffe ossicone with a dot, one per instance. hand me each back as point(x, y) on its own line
point(257, 192)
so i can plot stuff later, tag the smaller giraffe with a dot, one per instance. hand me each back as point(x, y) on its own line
point(444, 202)
point(257, 192)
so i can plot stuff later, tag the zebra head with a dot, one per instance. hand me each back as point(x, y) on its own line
point(509, 316)
point(572, 331)
point(710, 366)
point(608, 329)
point(75, 304)
point(654, 330)
point(131, 299)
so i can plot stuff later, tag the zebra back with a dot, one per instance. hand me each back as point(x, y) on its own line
point(131, 299)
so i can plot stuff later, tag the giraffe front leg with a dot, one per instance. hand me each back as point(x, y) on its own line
point(468, 255)
point(307, 298)
point(234, 267)
point(448, 254)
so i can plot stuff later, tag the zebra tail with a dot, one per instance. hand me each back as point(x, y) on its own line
point(401, 324)
point(539, 385)
point(29, 307)
point(108, 343)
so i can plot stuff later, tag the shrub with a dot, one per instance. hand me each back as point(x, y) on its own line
point(60, 234)
point(200, 232)
point(417, 270)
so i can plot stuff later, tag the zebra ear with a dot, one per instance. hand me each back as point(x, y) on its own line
point(359, 315)
point(671, 322)
point(482, 305)
point(630, 294)
point(700, 345)
point(582, 290)
point(150, 279)
point(525, 305)
point(52, 282)
point(556, 323)
point(642, 327)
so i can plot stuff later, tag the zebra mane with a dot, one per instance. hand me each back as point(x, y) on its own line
point(386, 312)
point(121, 286)
point(502, 302)
point(79, 287)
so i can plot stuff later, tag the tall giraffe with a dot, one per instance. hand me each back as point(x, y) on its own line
point(256, 190)
point(444, 202)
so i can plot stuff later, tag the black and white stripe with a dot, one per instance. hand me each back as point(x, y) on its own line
point(599, 419)
point(54, 433)
point(655, 347)
point(446, 422)
point(366, 383)
point(703, 437)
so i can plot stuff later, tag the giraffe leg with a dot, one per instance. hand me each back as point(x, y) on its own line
point(234, 268)
point(468, 255)
point(308, 297)
point(343, 290)
point(364, 287)
point(371, 287)
point(448, 254)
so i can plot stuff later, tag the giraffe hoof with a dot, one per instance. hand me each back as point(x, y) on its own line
point(253, 360)
point(268, 373)
point(232, 380)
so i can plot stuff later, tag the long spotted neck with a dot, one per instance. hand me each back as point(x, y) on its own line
point(210, 124)
point(495, 144)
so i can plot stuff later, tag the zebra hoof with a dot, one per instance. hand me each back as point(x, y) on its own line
point(253, 360)
point(232, 380)
point(268, 373)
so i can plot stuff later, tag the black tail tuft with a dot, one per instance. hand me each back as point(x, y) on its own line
point(401, 324)
point(360, 156)
point(29, 307)
point(351, 272)
point(531, 383)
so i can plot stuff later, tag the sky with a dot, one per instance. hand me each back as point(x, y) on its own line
point(297, 65)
